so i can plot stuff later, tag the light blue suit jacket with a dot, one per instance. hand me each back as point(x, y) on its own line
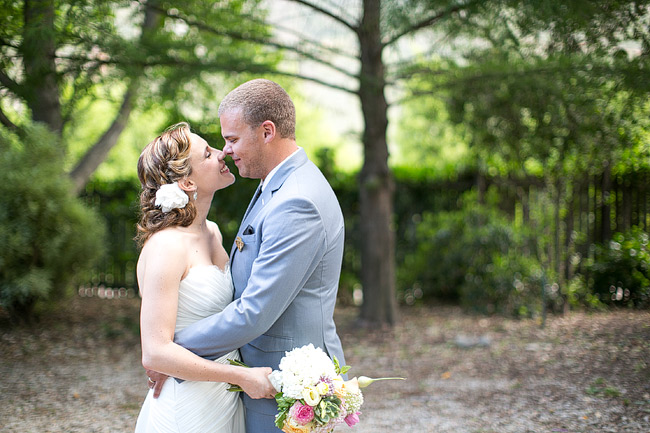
point(286, 279)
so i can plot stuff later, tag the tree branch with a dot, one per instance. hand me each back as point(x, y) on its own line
point(305, 39)
point(489, 75)
point(431, 20)
point(317, 81)
point(10, 84)
point(98, 152)
point(261, 41)
point(8, 123)
point(336, 18)
point(219, 67)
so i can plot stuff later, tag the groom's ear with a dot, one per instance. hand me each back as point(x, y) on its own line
point(187, 185)
point(268, 131)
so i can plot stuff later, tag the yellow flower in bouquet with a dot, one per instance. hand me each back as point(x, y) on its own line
point(290, 426)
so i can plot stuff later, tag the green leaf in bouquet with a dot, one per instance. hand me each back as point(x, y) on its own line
point(327, 409)
point(338, 368)
point(237, 363)
point(236, 388)
point(284, 404)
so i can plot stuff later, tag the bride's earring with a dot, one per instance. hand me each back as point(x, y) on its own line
point(195, 195)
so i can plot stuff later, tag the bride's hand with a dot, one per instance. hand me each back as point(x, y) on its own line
point(156, 381)
point(256, 383)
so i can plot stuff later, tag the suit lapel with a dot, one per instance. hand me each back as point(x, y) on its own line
point(256, 196)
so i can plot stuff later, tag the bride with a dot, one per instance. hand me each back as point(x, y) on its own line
point(183, 274)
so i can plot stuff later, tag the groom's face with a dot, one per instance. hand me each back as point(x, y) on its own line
point(244, 144)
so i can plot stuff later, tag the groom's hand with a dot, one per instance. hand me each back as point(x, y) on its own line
point(156, 381)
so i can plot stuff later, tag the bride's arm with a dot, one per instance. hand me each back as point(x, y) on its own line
point(162, 266)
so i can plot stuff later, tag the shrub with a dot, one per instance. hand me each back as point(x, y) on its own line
point(510, 285)
point(620, 270)
point(474, 256)
point(48, 237)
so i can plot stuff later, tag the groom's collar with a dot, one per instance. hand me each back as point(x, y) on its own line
point(277, 168)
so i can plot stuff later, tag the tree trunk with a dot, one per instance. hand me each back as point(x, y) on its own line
point(627, 205)
point(569, 221)
point(481, 185)
point(557, 255)
point(376, 189)
point(606, 209)
point(98, 152)
point(41, 85)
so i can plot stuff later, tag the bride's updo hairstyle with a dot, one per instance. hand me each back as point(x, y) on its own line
point(163, 161)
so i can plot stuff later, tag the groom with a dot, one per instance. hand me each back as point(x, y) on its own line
point(286, 260)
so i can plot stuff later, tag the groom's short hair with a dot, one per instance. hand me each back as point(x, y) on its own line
point(260, 100)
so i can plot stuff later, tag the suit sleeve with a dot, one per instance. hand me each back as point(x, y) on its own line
point(293, 243)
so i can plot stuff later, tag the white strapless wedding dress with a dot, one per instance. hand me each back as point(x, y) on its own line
point(196, 407)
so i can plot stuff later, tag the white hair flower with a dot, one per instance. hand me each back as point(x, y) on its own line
point(171, 196)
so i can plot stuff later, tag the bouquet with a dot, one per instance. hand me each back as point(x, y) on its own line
point(312, 395)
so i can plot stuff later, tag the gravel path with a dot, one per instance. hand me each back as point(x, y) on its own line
point(78, 370)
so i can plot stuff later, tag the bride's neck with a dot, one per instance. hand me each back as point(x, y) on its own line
point(198, 226)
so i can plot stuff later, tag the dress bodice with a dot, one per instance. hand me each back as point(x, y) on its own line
point(204, 291)
point(188, 406)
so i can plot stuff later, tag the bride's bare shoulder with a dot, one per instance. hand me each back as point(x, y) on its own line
point(214, 229)
point(168, 242)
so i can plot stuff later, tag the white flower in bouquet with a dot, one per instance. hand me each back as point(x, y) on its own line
point(300, 369)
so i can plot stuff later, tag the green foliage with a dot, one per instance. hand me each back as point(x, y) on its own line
point(284, 404)
point(474, 256)
point(48, 237)
point(620, 271)
point(327, 409)
point(170, 61)
point(432, 142)
point(580, 295)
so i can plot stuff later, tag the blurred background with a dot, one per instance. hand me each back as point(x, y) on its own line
point(487, 154)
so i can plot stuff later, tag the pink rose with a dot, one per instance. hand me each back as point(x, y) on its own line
point(352, 419)
point(302, 413)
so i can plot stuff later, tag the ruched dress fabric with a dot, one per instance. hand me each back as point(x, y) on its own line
point(196, 407)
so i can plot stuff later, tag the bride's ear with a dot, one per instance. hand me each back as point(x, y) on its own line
point(187, 185)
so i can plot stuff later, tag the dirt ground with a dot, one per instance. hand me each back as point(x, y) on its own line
point(78, 370)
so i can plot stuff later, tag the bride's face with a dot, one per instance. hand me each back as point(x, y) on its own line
point(209, 170)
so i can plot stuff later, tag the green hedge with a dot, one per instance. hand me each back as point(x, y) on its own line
point(448, 248)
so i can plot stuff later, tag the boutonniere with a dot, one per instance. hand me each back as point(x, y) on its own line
point(239, 243)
